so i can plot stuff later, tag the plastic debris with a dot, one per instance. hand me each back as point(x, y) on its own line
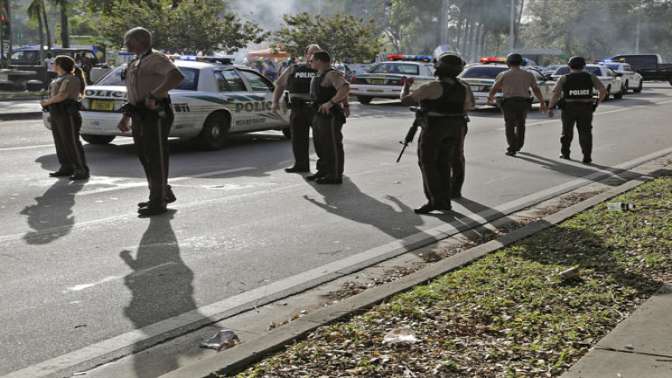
point(620, 206)
point(400, 336)
point(224, 339)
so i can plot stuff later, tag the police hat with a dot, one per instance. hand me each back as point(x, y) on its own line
point(448, 64)
point(577, 62)
point(514, 59)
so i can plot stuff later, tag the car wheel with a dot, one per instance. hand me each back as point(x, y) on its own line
point(627, 87)
point(287, 132)
point(215, 131)
point(364, 100)
point(608, 93)
point(98, 139)
point(620, 94)
point(639, 88)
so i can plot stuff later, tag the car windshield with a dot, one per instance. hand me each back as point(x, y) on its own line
point(562, 71)
point(483, 72)
point(114, 78)
point(614, 67)
point(595, 70)
point(396, 68)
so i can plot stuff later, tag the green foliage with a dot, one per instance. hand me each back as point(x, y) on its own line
point(195, 25)
point(346, 37)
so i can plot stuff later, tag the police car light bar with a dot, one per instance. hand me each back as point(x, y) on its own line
point(409, 58)
point(206, 59)
point(492, 59)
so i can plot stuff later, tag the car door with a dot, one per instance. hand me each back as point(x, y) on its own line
point(233, 89)
point(260, 92)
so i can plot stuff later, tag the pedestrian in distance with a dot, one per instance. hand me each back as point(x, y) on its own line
point(329, 91)
point(66, 121)
point(574, 92)
point(444, 105)
point(296, 79)
point(149, 78)
point(516, 83)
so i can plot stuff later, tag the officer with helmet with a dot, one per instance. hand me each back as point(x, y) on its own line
point(296, 80)
point(515, 83)
point(445, 103)
point(578, 105)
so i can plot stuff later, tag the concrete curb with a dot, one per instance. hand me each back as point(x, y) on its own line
point(20, 116)
point(233, 360)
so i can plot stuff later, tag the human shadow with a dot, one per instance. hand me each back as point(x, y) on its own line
point(51, 217)
point(349, 202)
point(591, 171)
point(161, 285)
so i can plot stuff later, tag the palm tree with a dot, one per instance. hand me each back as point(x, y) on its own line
point(35, 12)
point(65, 29)
point(46, 25)
point(6, 18)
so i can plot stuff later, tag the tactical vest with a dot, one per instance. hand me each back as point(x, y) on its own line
point(578, 86)
point(299, 80)
point(451, 101)
point(319, 94)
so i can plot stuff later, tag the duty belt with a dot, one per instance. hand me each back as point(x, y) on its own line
point(445, 115)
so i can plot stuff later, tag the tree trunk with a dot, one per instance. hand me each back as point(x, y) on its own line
point(65, 28)
point(46, 24)
point(9, 28)
point(519, 17)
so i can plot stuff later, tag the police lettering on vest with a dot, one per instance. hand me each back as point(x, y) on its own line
point(578, 86)
point(299, 81)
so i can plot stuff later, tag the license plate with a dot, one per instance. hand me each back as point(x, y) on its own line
point(102, 105)
point(377, 81)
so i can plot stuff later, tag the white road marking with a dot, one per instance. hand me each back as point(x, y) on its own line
point(273, 291)
point(138, 273)
point(26, 147)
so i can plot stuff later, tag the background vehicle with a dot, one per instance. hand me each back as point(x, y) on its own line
point(650, 66)
point(612, 82)
point(481, 78)
point(631, 80)
point(385, 79)
point(213, 101)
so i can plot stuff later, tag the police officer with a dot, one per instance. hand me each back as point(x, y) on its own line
point(149, 77)
point(296, 80)
point(445, 103)
point(578, 105)
point(66, 121)
point(515, 84)
point(328, 91)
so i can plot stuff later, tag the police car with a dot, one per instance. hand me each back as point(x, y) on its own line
point(611, 81)
point(386, 79)
point(482, 76)
point(632, 80)
point(214, 100)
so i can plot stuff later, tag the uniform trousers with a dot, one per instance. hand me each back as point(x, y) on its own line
point(65, 129)
point(300, 121)
point(581, 115)
point(515, 114)
point(330, 141)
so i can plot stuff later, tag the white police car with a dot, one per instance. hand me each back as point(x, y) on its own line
point(632, 80)
point(612, 82)
point(214, 100)
point(386, 79)
point(482, 76)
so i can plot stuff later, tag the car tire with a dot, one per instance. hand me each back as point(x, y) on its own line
point(287, 132)
point(215, 131)
point(364, 100)
point(98, 139)
point(620, 94)
point(608, 93)
point(639, 88)
point(627, 87)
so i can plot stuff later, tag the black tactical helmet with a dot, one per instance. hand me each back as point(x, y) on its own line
point(448, 64)
point(577, 62)
point(514, 59)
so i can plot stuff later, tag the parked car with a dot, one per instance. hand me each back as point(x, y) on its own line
point(650, 66)
point(612, 82)
point(632, 80)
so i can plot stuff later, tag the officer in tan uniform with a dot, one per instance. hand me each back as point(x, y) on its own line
point(516, 84)
point(445, 103)
point(329, 91)
point(66, 121)
point(148, 79)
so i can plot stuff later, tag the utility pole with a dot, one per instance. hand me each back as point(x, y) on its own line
point(638, 26)
point(512, 27)
point(443, 20)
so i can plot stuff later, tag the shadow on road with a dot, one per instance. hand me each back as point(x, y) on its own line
point(51, 217)
point(579, 171)
point(161, 285)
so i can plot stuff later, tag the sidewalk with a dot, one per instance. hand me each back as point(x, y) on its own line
point(25, 109)
point(641, 346)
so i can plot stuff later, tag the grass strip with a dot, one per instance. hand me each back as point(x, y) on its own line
point(509, 314)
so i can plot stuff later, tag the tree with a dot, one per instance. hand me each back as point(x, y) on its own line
point(345, 37)
point(35, 12)
point(195, 25)
point(65, 29)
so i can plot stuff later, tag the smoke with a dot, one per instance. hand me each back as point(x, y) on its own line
point(267, 14)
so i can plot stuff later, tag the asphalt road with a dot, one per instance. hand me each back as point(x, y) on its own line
point(78, 267)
